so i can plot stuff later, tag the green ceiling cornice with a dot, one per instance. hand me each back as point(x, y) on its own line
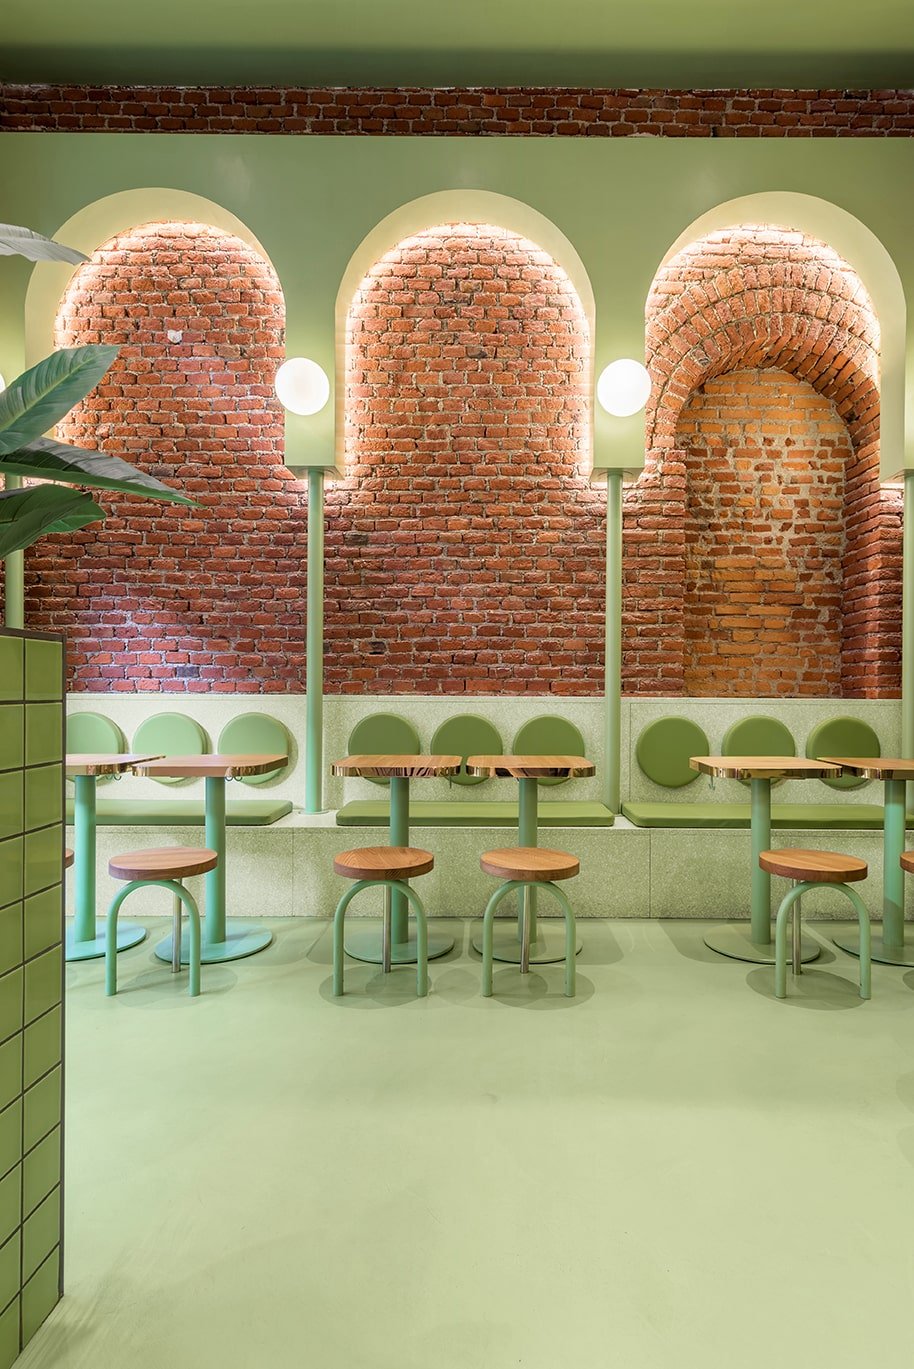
point(585, 43)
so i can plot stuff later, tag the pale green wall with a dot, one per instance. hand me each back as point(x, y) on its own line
point(621, 203)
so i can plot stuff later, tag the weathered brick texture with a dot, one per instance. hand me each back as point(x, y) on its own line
point(489, 111)
point(465, 546)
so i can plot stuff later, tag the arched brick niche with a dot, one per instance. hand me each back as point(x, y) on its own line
point(761, 499)
point(465, 547)
point(159, 597)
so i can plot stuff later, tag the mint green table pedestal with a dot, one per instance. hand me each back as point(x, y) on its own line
point(364, 943)
point(547, 942)
point(753, 941)
point(888, 947)
point(223, 938)
point(85, 937)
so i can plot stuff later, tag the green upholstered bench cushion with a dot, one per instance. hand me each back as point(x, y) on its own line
point(184, 812)
point(371, 813)
point(804, 816)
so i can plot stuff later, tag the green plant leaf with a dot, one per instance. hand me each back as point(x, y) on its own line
point(42, 396)
point(26, 515)
point(48, 459)
point(22, 242)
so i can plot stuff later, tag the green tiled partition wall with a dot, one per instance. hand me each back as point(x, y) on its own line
point(31, 983)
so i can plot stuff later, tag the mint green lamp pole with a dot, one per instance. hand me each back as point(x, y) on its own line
point(14, 576)
point(303, 389)
point(314, 662)
point(623, 389)
point(612, 760)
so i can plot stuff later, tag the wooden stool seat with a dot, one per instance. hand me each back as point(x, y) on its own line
point(533, 864)
point(819, 867)
point(67, 858)
point(166, 862)
point(383, 862)
point(907, 861)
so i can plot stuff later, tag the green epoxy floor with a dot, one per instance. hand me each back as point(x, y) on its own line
point(672, 1170)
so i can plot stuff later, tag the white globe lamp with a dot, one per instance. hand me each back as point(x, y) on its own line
point(302, 386)
point(624, 387)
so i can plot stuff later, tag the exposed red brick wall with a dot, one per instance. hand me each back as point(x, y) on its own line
point(157, 597)
point(766, 457)
point(465, 547)
point(493, 111)
point(763, 297)
point(465, 554)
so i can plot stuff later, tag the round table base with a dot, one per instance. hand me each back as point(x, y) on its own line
point(547, 947)
point(128, 934)
point(735, 940)
point(882, 954)
point(241, 939)
point(364, 943)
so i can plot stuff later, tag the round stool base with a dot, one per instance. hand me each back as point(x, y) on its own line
point(128, 934)
point(547, 947)
point(735, 941)
point(885, 955)
point(364, 943)
point(241, 939)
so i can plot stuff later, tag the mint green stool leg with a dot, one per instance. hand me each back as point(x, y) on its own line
point(863, 919)
point(84, 938)
point(409, 896)
point(193, 918)
point(570, 938)
point(488, 931)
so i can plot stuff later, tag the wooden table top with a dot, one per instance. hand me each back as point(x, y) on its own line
point(383, 767)
point(530, 767)
point(210, 767)
point(876, 767)
point(765, 767)
point(94, 763)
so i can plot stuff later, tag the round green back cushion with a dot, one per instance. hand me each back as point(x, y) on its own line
point(466, 735)
point(549, 736)
point(93, 732)
point(664, 748)
point(170, 734)
point(254, 734)
point(384, 734)
point(843, 737)
point(758, 736)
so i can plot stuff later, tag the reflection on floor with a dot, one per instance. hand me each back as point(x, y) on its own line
point(673, 1169)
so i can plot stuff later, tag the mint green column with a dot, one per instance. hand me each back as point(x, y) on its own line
point(84, 939)
point(893, 874)
point(14, 575)
point(399, 836)
point(314, 660)
point(760, 916)
point(527, 835)
point(612, 746)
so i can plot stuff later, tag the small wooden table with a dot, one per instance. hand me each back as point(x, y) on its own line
point(365, 943)
point(546, 945)
point(736, 940)
point(83, 940)
point(889, 948)
point(221, 940)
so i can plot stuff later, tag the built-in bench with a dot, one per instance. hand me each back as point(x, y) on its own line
point(183, 812)
point(810, 817)
point(470, 813)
